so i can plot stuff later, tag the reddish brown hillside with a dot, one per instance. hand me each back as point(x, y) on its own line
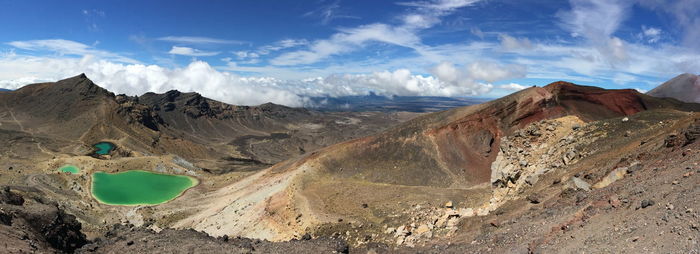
point(456, 148)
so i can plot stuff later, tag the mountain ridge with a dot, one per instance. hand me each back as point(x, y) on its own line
point(684, 87)
point(545, 163)
point(449, 153)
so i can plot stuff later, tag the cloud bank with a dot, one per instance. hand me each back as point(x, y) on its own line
point(199, 76)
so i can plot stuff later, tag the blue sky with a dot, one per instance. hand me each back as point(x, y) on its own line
point(251, 52)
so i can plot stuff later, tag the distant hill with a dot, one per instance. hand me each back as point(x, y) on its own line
point(194, 127)
point(375, 102)
point(4, 90)
point(684, 87)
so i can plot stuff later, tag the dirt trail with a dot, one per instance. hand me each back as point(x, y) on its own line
point(240, 208)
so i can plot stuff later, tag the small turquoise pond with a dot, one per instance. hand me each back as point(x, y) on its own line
point(69, 169)
point(138, 187)
point(104, 148)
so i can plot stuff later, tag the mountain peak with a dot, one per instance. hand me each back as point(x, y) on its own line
point(83, 85)
point(684, 87)
point(75, 79)
point(560, 83)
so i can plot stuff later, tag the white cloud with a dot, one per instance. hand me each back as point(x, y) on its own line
point(399, 82)
point(136, 79)
point(187, 51)
point(594, 19)
point(280, 45)
point(424, 14)
point(198, 40)
point(67, 47)
point(440, 5)
point(512, 87)
point(289, 43)
point(686, 15)
point(346, 41)
point(246, 54)
point(198, 76)
point(471, 77)
point(597, 21)
point(329, 12)
point(491, 72)
point(476, 31)
point(650, 34)
point(253, 55)
point(510, 43)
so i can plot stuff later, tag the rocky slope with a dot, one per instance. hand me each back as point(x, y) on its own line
point(560, 168)
point(45, 126)
point(629, 187)
point(218, 136)
point(684, 87)
point(30, 224)
point(420, 165)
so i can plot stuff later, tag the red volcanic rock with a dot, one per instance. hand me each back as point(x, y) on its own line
point(591, 103)
point(457, 147)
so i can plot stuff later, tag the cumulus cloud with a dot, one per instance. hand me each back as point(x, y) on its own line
point(136, 79)
point(187, 51)
point(512, 87)
point(475, 78)
point(400, 82)
point(198, 76)
point(449, 74)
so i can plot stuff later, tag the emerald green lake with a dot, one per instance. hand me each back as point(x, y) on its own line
point(69, 169)
point(137, 187)
point(104, 148)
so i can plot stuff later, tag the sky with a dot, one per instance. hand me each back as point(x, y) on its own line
point(253, 52)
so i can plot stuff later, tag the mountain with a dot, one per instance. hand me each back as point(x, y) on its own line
point(467, 156)
point(4, 90)
point(215, 134)
point(560, 168)
point(47, 125)
point(684, 87)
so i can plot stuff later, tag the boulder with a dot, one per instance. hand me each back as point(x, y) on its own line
point(532, 179)
point(581, 184)
point(449, 204)
point(422, 229)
